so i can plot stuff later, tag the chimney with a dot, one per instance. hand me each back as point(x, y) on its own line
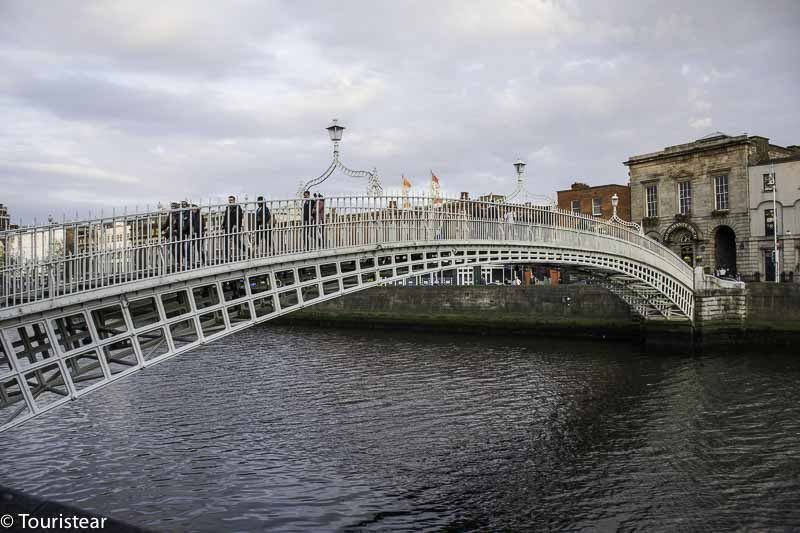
point(762, 147)
point(579, 186)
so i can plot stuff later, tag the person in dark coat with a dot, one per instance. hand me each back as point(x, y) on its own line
point(232, 226)
point(319, 212)
point(308, 220)
point(263, 226)
point(170, 231)
point(193, 222)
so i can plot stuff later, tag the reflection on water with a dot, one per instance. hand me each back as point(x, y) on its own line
point(296, 429)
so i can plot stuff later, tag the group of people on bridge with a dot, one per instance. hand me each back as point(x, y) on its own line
point(243, 233)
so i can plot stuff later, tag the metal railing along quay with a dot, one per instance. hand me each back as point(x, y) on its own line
point(46, 262)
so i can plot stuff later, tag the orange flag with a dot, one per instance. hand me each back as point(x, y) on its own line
point(406, 188)
point(436, 189)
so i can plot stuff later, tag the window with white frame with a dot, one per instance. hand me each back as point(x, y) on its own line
point(576, 206)
point(685, 197)
point(651, 201)
point(597, 208)
point(721, 191)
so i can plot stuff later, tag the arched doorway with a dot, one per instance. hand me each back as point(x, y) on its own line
point(682, 237)
point(683, 245)
point(725, 249)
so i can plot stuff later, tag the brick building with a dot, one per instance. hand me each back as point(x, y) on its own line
point(694, 198)
point(596, 201)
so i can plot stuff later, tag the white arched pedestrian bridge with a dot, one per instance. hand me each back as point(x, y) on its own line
point(83, 303)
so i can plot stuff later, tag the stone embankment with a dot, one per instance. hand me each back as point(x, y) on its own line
point(761, 313)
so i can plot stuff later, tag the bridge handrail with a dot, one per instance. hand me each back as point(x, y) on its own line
point(44, 262)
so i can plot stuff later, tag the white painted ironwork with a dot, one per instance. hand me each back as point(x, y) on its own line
point(87, 302)
point(522, 195)
point(374, 187)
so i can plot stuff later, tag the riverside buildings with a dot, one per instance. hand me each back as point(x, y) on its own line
point(696, 199)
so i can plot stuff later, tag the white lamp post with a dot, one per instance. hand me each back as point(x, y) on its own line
point(614, 203)
point(519, 165)
point(524, 195)
point(777, 260)
point(335, 131)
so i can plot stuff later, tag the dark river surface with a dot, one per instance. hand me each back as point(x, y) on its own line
point(295, 429)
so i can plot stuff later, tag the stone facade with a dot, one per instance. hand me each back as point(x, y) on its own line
point(781, 220)
point(699, 202)
point(585, 197)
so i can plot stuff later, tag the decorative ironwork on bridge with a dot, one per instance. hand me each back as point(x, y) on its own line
point(374, 187)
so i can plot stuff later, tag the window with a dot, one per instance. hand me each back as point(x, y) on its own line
point(685, 197)
point(597, 208)
point(721, 192)
point(576, 206)
point(769, 222)
point(651, 196)
point(768, 184)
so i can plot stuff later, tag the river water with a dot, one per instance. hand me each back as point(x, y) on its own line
point(296, 429)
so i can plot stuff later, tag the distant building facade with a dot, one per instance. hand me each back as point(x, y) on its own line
point(596, 201)
point(781, 220)
point(5, 219)
point(492, 198)
point(694, 198)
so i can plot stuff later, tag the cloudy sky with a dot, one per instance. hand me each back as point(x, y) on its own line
point(112, 103)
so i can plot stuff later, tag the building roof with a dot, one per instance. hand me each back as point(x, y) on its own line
point(709, 142)
point(589, 188)
point(715, 135)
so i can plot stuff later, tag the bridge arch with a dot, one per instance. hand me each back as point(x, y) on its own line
point(56, 349)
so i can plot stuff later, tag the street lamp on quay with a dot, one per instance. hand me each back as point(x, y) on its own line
point(776, 256)
point(616, 220)
point(335, 131)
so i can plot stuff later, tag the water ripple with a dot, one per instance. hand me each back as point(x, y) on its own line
point(296, 429)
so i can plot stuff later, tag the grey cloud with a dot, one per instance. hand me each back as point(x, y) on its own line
point(200, 99)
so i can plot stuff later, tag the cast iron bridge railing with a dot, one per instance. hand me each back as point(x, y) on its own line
point(50, 263)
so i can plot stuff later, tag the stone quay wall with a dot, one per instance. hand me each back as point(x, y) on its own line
point(580, 310)
point(759, 313)
point(773, 306)
point(724, 305)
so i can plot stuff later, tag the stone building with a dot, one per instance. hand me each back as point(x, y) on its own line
point(694, 198)
point(781, 219)
point(596, 201)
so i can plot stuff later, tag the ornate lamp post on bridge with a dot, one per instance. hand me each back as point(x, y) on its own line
point(335, 131)
point(521, 193)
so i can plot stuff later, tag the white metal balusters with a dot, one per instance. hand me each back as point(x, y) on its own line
point(48, 261)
